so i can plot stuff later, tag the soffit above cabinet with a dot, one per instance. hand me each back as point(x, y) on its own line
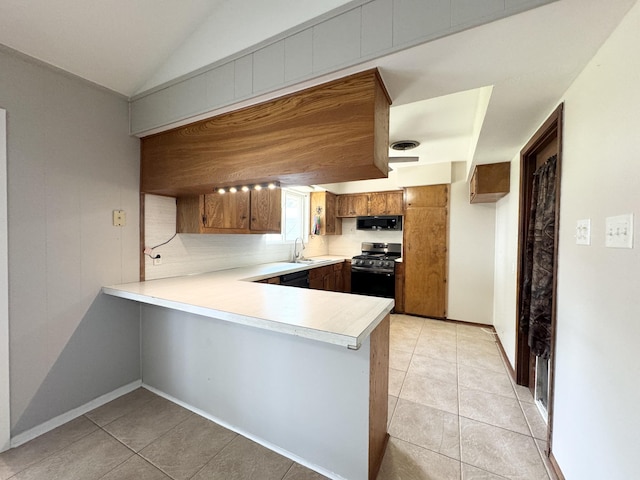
point(338, 131)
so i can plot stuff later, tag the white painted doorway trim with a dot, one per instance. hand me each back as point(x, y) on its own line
point(5, 417)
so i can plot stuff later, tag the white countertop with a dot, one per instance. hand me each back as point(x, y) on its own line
point(232, 295)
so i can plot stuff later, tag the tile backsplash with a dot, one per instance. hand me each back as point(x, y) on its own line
point(189, 254)
point(349, 243)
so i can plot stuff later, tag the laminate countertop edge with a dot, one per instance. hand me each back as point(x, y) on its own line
point(232, 295)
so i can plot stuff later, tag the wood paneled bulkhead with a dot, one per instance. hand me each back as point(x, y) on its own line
point(334, 132)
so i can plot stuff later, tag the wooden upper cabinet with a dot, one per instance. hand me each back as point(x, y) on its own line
point(433, 196)
point(324, 205)
point(353, 205)
point(226, 211)
point(266, 207)
point(240, 212)
point(385, 203)
point(333, 132)
point(490, 182)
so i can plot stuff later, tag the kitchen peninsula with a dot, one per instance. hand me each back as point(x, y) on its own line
point(304, 372)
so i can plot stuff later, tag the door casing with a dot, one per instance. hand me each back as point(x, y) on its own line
point(545, 142)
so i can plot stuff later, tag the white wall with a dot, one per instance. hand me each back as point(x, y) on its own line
point(5, 417)
point(70, 163)
point(596, 423)
point(597, 426)
point(506, 256)
point(471, 253)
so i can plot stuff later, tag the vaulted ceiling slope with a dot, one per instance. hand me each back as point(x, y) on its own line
point(129, 46)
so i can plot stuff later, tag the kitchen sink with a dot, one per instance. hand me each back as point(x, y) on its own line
point(310, 261)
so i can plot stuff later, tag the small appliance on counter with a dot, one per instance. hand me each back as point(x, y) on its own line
point(379, 222)
point(373, 271)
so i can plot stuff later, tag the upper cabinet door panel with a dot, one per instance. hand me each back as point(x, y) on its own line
point(266, 210)
point(243, 72)
point(420, 19)
point(219, 84)
point(435, 196)
point(337, 41)
point(268, 67)
point(298, 55)
point(377, 34)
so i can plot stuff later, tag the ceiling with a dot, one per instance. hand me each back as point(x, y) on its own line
point(474, 97)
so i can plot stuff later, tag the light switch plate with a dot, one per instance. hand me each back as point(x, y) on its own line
point(119, 218)
point(583, 232)
point(619, 231)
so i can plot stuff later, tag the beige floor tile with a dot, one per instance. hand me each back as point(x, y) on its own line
point(402, 342)
point(441, 325)
point(434, 368)
point(91, 458)
point(407, 320)
point(524, 394)
point(470, 347)
point(396, 379)
point(482, 360)
point(441, 350)
point(17, 459)
point(120, 406)
point(399, 359)
point(503, 452)
point(427, 427)
point(136, 468)
point(534, 419)
point(493, 409)
point(243, 459)
point(299, 472)
point(406, 461)
point(393, 401)
point(142, 426)
point(470, 472)
point(438, 335)
point(485, 380)
point(431, 392)
point(187, 447)
point(479, 332)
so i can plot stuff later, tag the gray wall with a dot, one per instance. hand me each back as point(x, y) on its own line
point(70, 163)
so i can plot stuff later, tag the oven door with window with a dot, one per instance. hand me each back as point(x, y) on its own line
point(368, 282)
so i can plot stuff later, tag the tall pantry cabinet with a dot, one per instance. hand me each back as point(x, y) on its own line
point(426, 238)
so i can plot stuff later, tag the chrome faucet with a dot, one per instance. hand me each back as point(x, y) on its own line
point(298, 255)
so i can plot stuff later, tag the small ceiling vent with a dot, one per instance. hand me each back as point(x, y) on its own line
point(404, 145)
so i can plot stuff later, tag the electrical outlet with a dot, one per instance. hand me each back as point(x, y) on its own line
point(619, 231)
point(119, 218)
point(157, 260)
point(583, 232)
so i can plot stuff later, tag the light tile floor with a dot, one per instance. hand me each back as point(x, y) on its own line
point(453, 414)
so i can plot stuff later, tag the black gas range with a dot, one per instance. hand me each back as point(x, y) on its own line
point(373, 271)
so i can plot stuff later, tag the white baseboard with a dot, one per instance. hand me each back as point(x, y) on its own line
point(45, 427)
point(258, 440)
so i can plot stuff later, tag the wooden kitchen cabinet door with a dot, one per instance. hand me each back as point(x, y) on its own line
point(426, 252)
point(353, 205)
point(385, 203)
point(266, 210)
point(230, 210)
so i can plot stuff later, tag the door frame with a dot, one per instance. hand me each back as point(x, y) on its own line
point(5, 399)
point(551, 130)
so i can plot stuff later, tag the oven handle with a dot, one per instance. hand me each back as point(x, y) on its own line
point(374, 272)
